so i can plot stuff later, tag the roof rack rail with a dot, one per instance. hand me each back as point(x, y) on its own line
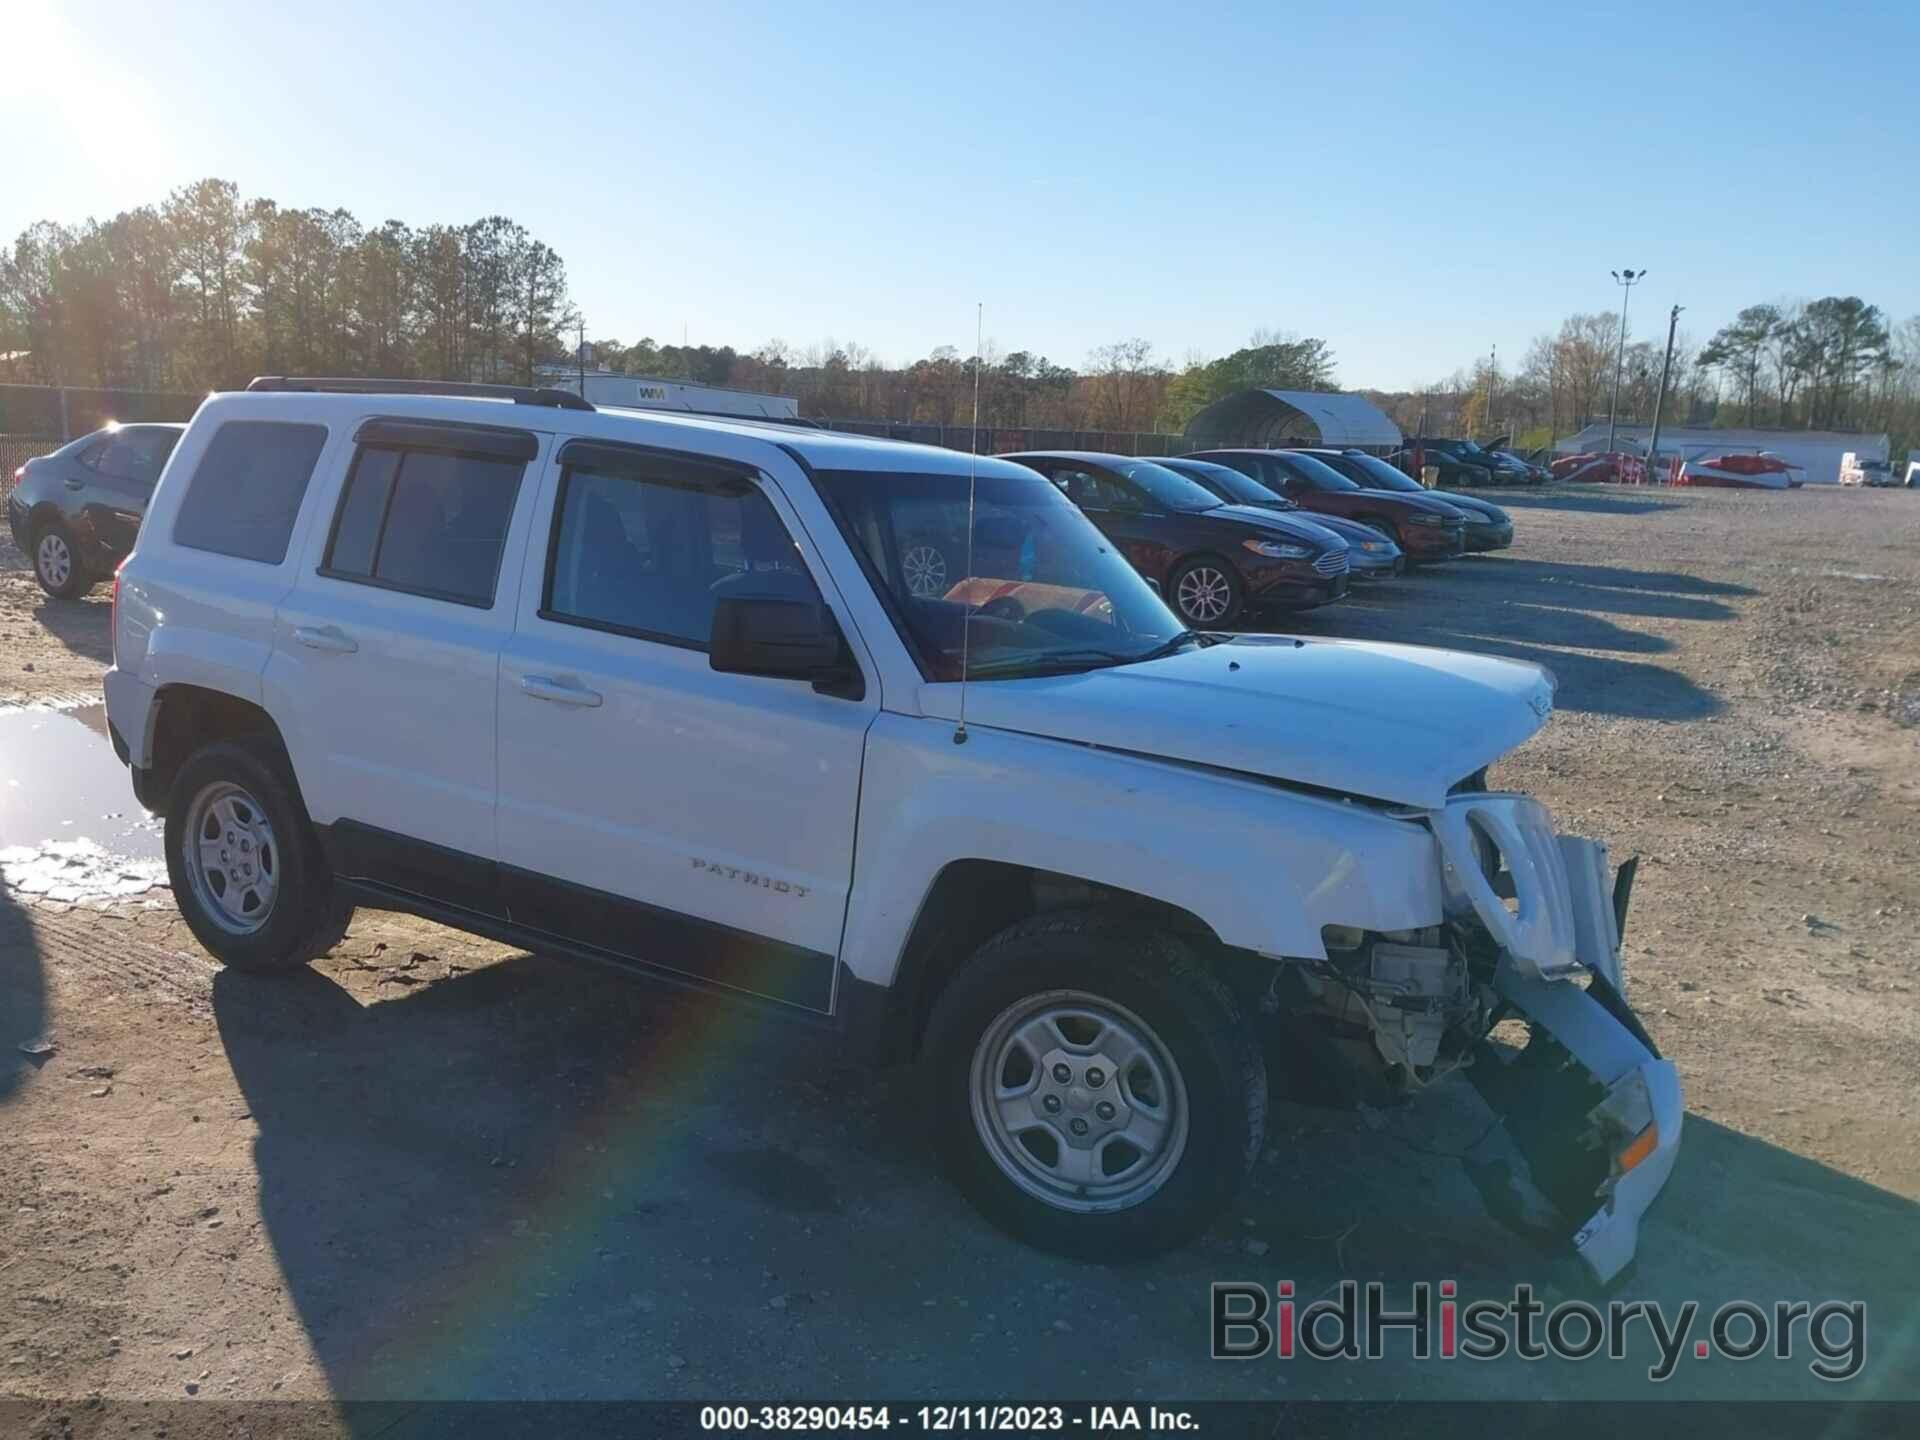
point(790, 421)
point(346, 385)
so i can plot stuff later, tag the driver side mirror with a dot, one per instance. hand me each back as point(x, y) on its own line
point(783, 640)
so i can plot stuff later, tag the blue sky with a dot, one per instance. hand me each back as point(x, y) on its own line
point(1412, 183)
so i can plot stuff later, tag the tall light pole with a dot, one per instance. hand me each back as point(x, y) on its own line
point(1659, 399)
point(1493, 369)
point(1626, 280)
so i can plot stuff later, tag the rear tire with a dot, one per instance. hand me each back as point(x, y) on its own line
point(57, 564)
point(1164, 1089)
point(246, 867)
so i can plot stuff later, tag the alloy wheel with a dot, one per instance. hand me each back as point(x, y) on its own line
point(1204, 595)
point(925, 570)
point(1079, 1102)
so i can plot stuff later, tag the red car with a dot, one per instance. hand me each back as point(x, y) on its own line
point(1425, 528)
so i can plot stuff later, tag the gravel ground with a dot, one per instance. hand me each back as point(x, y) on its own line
point(437, 1168)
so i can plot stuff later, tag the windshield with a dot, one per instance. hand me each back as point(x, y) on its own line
point(1380, 475)
point(1317, 473)
point(1045, 593)
point(1174, 491)
point(1227, 481)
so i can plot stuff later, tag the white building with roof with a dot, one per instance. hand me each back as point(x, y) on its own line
point(1816, 453)
point(648, 392)
point(1294, 417)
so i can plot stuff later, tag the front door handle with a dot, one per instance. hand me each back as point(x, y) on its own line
point(330, 638)
point(545, 687)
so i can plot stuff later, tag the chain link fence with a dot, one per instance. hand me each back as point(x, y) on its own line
point(15, 451)
point(64, 411)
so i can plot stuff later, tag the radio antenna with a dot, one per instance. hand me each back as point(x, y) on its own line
point(973, 467)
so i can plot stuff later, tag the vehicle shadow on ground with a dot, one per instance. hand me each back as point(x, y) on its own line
point(537, 1181)
point(1573, 628)
point(1600, 684)
point(84, 626)
point(1595, 684)
point(23, 996)
point(1513, 569)
point(1599, 504)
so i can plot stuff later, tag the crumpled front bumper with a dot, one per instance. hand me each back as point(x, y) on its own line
point(1589, 1102)
point(1613, 1158)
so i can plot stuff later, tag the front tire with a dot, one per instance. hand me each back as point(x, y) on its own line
point(1093, 1089)
point(246, 867)
point(1206, 593)
point(57, 564)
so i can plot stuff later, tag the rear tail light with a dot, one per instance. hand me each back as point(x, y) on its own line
point(114, 622)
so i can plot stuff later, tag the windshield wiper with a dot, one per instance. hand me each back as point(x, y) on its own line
point(1052, 663)
point(1058, 662)
point(1169, 647)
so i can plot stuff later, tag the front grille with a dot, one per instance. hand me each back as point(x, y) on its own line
point(1331, 562)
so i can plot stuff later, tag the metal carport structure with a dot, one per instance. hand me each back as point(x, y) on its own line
point(1271, 418)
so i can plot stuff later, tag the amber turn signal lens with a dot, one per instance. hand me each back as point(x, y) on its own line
point(1641, 1147)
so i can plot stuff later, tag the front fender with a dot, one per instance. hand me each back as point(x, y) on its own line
point(1264, 867)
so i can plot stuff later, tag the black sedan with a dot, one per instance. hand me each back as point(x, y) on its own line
point(1462, 462)
point(1425, 528)
point(1370, 554)
point(1212, 561)
point(1488, 526)
point(74, 513)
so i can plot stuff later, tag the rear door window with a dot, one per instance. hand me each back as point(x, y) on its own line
point(429, 517)
point(133, 459)
point(246, 491)
point(1094, 490)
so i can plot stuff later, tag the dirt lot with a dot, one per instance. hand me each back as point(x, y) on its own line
point(437, 1168)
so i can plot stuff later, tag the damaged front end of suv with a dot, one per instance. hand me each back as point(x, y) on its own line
point(1529, 949)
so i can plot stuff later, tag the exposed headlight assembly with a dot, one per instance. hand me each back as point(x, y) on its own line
point(1276, 549)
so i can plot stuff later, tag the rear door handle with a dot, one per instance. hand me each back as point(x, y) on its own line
point(330, 638)
point(545, 687)
point(74, 482)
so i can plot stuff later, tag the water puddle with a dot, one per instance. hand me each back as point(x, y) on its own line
point(70, 829)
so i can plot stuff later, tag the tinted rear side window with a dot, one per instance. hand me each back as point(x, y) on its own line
point(247, 490)
point(136, 457)
point(363, 511)
point(425, 521)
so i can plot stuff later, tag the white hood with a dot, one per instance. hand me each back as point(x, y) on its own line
point(1400, 723)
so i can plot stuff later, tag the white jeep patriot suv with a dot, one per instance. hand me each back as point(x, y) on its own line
point(655, 690)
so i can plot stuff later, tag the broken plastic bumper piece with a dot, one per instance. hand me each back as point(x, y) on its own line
point(1589, 1102)
point(1594, 1109)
